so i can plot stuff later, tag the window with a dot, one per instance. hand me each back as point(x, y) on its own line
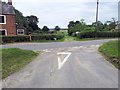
point(20, 31)
point(3, 32)
point(2, 19)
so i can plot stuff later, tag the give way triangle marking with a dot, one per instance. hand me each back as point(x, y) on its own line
point(62, 62)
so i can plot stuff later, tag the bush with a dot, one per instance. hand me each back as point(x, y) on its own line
point(93, 34)
point(86, 35)
point(27, 38)
point(71, 30)
point(46, 37)
point(73, 35)
point(11, 39)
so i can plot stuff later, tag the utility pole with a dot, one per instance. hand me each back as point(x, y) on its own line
point(97, 17)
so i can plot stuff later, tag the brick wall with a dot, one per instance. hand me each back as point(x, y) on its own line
point(10, 25)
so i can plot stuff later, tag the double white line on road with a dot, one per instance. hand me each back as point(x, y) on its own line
point(61, 63)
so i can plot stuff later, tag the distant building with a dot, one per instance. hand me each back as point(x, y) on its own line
point(64, 29)
point(7, 19)
point(21, 30)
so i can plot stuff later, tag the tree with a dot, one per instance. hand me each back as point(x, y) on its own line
point(33, 21)
point(77, 26)
point(45, 29)
point(77, 22)
point(113, 23)
point(71, 24)
point(100, 25)
point(22, 21)
point(57, 28)
point(29, 22)
point(82, 20)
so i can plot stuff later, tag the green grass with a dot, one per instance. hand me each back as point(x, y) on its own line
point(111, 51)
point(14, 59)
point(0, 63)
point(85, 39)
point(69, 38)
point(65, 32)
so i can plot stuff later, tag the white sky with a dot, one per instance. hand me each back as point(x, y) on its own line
point(60, 12)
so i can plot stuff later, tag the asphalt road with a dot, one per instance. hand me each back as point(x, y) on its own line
point(78, 65)
point(53, 45)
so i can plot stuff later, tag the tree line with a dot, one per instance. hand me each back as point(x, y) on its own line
point(30, 23)
point(81, 26)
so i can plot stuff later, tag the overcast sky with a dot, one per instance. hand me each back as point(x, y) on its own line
point(60, 12)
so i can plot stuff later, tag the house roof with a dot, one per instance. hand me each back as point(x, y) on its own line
point(20, 27)
point(7, 9)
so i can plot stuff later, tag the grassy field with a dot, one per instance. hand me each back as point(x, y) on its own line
point(111, 52)
point(15, 59)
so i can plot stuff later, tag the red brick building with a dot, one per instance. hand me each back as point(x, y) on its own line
point(7, 19)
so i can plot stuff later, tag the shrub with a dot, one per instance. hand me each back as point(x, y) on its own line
point(86, 34)
point(93, 34)
point(11, 39)
point(27, 38)
point(59, 36)
point(47, 37)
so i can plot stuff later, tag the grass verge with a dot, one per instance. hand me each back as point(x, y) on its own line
point(71, 39)
point(14, 59)
point(111, 51)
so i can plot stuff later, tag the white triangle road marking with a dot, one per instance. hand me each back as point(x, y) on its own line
point(61, 63)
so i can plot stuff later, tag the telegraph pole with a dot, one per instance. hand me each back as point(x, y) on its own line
point(97, 17)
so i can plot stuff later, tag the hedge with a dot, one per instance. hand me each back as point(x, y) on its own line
point(11, 39)
point(93, 34)
point(27, 38)
point(47, 37)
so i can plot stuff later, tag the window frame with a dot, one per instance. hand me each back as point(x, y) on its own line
point(4, 19)
point(22, 31)
point(5, 31)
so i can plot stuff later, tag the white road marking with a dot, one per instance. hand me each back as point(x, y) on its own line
point(46, 50)
point(95, 45)
point(61, 63)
